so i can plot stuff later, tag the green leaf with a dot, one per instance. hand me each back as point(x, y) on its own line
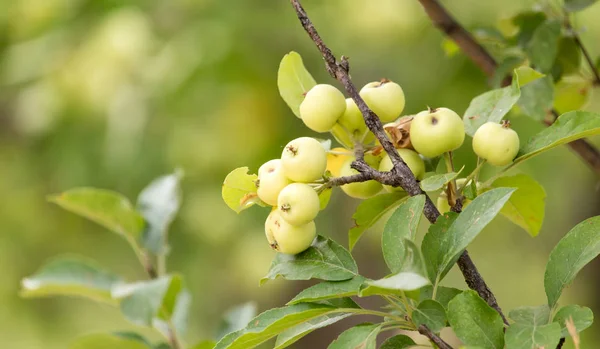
point(543, 46)
point(324, 198)
point(537, 99)
point(107, 208)
point(491, 106)
point(539, 315)
point(474, 322)
point(443, 294)
point(239, 190)
point(567, 128)
point(571, 254)
point(105, 340)
point(402, 281)
point(399, 341)
point(431, 314)
point(505, 68)
point(71, 276)
point(470, 190)
point(527, 75)
point(583, 317)
point(450, 47)
point(402, 224)
point(571, 94)
point(204, 345)
point(370, 211)
point(293, 81)
point(437, 182)
point(578, 5)
point(273, 322)
point(158, 203)
point(325, 259)
point(524, 336)
point(145, 302)
point(133, 336)
point(361, 336)
point(328, 290)
point(447, 238)
point(569, 55)
point(526, 205)
point(528, 22)
point(236, 318)
point(295, 333)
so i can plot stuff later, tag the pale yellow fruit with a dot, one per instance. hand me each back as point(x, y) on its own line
point(304, 160)
point(322, 106)
point(437, 131)
point(271, 180)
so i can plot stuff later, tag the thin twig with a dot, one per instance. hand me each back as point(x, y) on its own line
point(400, 175)
point(584, 50)
point(424, 330)
point(484, 60)
point(560, 343)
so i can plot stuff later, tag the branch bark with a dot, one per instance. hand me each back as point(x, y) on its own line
point(484, 60)
point(424, 330)
point(400, 175)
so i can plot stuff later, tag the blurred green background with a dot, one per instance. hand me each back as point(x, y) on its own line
point(113, 93)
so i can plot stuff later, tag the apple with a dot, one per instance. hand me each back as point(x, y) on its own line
point(360, 190)
point(304, 160)
point(412, 160)
point(436, 131)
point(321, 108)
point(271, 180)
point(385, 98)
point(286, 238)
point(298, 203)
point(496, 143)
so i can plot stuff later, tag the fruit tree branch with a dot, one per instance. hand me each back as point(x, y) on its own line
point(424, 330)
point(484, 60)
point(400, 175)
point(584, 50)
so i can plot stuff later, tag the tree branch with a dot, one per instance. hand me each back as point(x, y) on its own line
point(400, 175)
point(585, 52)
point(424, 330)
point(484, 60)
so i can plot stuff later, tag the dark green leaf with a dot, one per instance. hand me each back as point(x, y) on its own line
point(292, 335)
point(71, 276)
point(526, 205)
point(569, 55)
point(362, 336)
point(236, 318)
point(158, 203)
point(543, 46)
point(402, 224)
point(583, 317)
point(448, 237)
point(567, 128)
point(293, 81)
point(571, 254)
point(105, 340)
point(505, 69)
point(537, 98)
point(437, 182)
point(370, 211)
point(107, 208)
point(470, 191)
point(239, 190)
point(398, 342)
point(431, 314)
point(539, 315)
point(273, 322)
point(443, 294)
point(527, 22)
point(523, 336)
point(325, 260)
point(329, 289)
point(578, 5)
point(475, 322)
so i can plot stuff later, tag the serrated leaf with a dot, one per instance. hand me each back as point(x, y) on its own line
point(437, 182)
point(158, 203)
point(431, 314)
point(361, 336)
point(526, 205)
point(71, 276)
point(576, 249)
point(325, 259)
point(289, 337)
point(537, 99)
point(399, 341)
point(578, 5)
point(293, 81)
point(543, 46)
point(567, 128)
point(447, 238)
point(524, 336)
point(583, 317)
point(443, 294)
point(236, 318)
point(370, 211)
point(239, 190)
point(105, 340)
point(571, 94)
point(107, 208)
point(328, 290)
point(402, 224)
point(273, 322)
point(474, 322)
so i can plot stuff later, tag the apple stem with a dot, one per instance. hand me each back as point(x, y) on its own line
point(505, 123)
point(472, 176)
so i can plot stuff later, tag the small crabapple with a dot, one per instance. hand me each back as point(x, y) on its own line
point(496, 143)
point(385, 98)
point(412, 160)
point(287, 238)
point(436, 131)
point(304, 160)
point(360, 190)
point(322, 106)
point(298, 203)
point(271, 180)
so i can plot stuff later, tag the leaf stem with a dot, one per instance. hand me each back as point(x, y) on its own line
point(472, 176)
point(451, 191)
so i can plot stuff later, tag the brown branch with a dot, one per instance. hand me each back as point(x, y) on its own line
point(400, 175)
point(560, 343)
point(424, 330)
point(449, 25)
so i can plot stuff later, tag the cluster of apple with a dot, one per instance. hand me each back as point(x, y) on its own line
point(288, 184)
